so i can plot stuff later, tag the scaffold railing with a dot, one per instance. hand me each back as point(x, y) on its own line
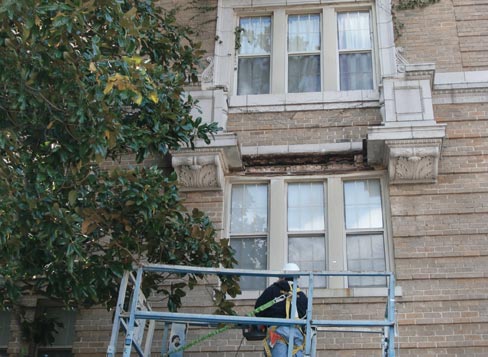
point(137, 320)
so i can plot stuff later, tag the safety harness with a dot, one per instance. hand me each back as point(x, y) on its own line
point(273, 337)
point(285, 295)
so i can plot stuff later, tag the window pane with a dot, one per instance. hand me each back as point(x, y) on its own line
point(249, 209)
point(356, 71)
point(253, 75)
point(303, 74)
point(4, 328)
point(353, 31)
point(366, 253)
point(309, 254)
point(65, 334)
point(363, 204)
point(255, 37)
point(251, 253)
point(306, 207)
point(304, 33)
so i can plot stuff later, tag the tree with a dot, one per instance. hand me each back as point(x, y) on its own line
point(83, 82)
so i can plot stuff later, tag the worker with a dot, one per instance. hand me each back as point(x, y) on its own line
point(276, 342)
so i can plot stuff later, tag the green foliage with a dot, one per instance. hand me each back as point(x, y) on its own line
point(82, 82)
point(40, 330)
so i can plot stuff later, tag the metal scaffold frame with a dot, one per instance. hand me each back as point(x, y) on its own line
point(139, 321)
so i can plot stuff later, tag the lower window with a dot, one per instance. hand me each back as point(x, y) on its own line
point(336, 223)
point(4, 332)
point(63, 339)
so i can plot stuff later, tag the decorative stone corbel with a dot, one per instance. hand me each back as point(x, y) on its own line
point(199, 171)
point(204, 168)
point(413, 161)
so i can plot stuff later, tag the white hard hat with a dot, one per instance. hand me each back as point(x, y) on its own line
point(291, 267)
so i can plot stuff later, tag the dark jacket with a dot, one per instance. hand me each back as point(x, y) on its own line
point(278, 309)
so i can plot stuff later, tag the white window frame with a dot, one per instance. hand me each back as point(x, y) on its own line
point(329, 51)
point(383, 51)
point(336, 259)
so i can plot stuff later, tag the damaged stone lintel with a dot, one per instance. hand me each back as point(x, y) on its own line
point(300, 164)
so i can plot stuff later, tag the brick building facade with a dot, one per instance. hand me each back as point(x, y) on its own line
point(394, 169)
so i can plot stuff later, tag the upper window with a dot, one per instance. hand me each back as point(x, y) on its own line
point(254, 57)
point(355, 50)
point(304, 53)
point(327, 50)
point(333, 224)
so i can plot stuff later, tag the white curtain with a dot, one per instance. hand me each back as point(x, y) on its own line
point(255, 35)
point(304, 53)
point(355, 58)
point(304, 33)
point(353, 31)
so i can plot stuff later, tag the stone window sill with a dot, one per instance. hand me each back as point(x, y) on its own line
point(303, 101)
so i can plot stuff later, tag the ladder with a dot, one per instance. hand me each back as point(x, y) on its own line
point(137, 319)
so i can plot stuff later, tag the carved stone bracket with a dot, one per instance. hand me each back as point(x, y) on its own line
point(199, 172)
point(204, 168)
point(413, 161)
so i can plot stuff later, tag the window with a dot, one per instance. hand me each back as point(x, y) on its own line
point(364, 231)
point(254, 55)
point(306, 228)
point(304, 53)
point(4, 332)
point(249, 231)
point(329, 49)
point(335, 223)
point(63, 340)
point(355, 56)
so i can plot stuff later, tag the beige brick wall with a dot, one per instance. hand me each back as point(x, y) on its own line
point(441, 244)
point(453, 34)
point(200, 15)
point(308, 127)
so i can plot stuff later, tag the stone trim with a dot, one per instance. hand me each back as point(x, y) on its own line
point(302, 148)
point(303, 101)
point(409, 141)
point(461, 87)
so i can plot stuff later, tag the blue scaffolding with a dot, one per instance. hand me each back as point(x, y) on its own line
point(138, 321)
